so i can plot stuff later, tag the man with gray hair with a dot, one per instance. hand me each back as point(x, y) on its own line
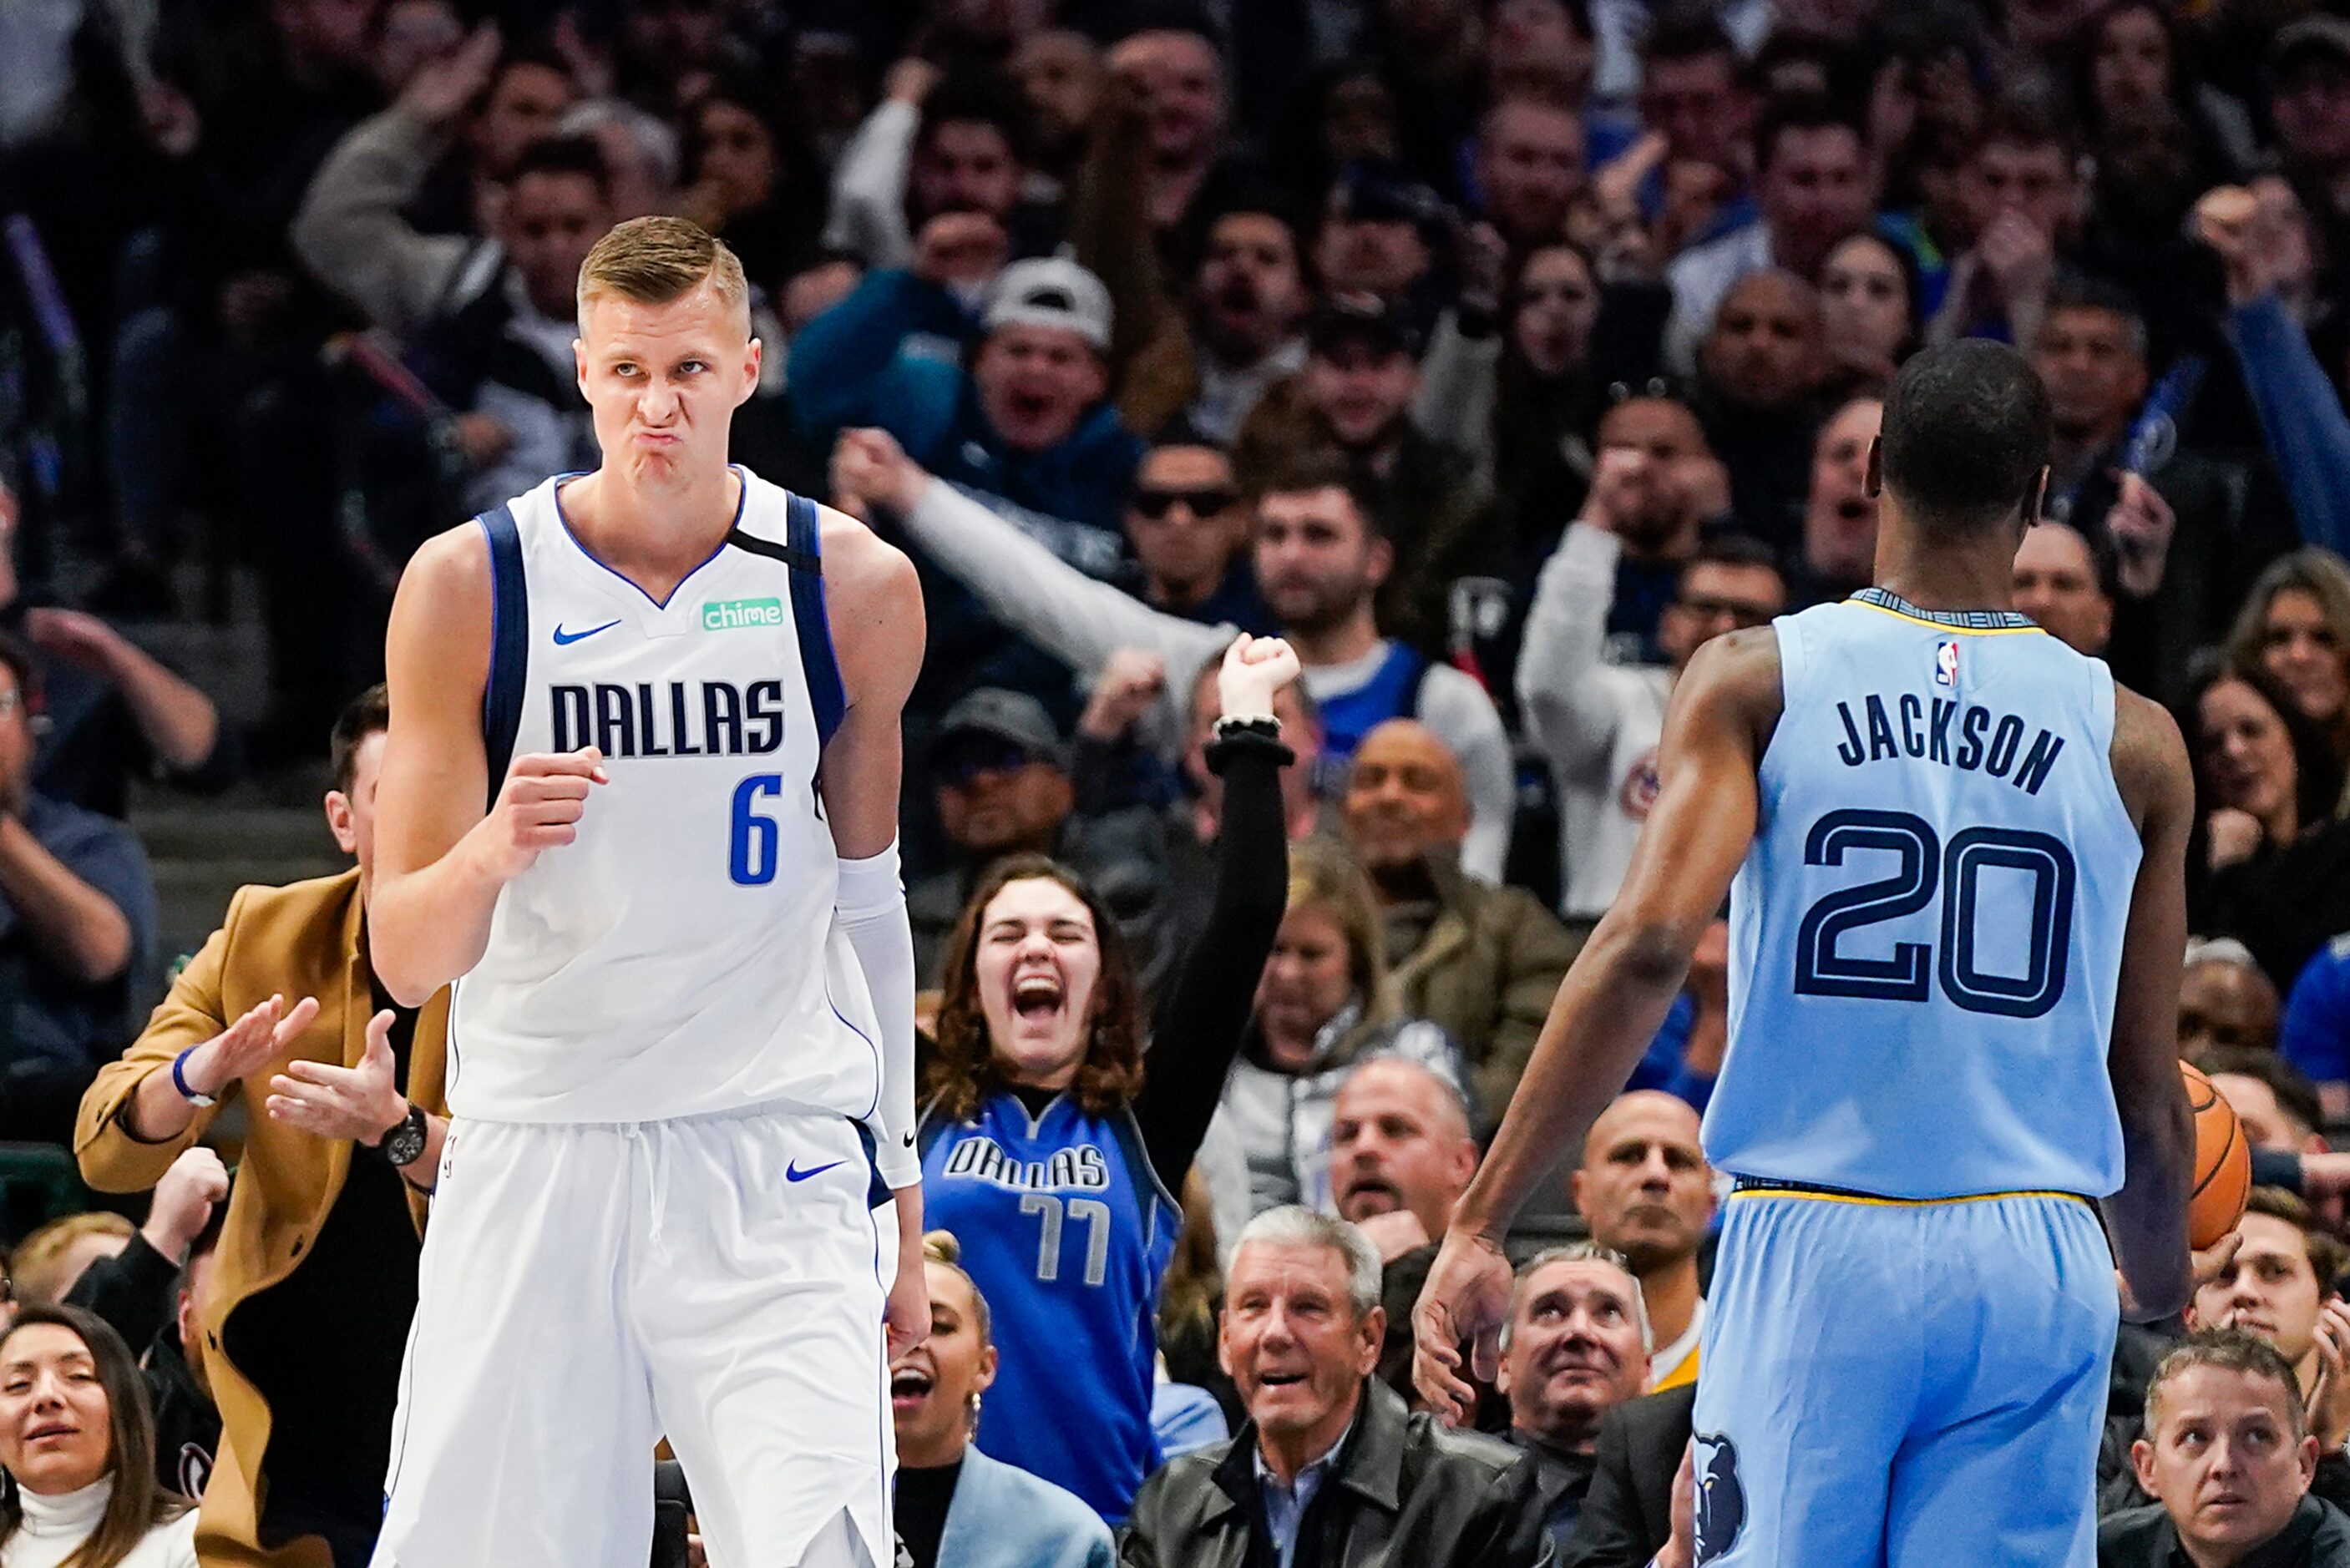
point(1574, 1346)
point(1332, 1466)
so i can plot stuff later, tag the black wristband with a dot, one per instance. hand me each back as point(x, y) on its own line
point(1240, 740)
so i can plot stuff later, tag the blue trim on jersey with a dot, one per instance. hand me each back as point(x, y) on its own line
point(826, 694)
point(1965, 620)
point(563, 517)
point(877, 1191)
point(502, 694)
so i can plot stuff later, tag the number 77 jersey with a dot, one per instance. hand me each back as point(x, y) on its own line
point(1925, 936)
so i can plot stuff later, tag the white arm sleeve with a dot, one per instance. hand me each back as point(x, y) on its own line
point(871, 907)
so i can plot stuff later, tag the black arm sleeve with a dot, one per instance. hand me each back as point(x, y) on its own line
point(1204, 1014)
point(132, 1291)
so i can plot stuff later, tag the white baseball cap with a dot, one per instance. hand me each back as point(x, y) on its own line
point(1051, 291)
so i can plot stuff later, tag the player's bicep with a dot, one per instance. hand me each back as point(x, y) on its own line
point(1707, 799)
point(434, 785)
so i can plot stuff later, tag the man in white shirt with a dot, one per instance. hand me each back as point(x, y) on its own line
point(1597, 723)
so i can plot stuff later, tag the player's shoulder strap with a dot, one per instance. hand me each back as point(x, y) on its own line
point(502, 693)
point(802, 550)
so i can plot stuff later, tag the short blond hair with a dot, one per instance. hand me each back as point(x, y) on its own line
point(656, 260)
point(36, 1266)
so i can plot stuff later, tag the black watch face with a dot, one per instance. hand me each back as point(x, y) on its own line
point(404, 1143)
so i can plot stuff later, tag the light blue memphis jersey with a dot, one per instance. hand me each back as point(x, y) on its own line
point(1926, 937)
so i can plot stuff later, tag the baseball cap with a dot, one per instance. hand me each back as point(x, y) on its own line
point(2318, 34)
point(1051, 291)
point(1373, 191)
point(1009, 716)
point(1360, 318)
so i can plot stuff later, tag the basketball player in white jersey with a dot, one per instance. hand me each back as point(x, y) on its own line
point(639, 804)
point(1955, 923)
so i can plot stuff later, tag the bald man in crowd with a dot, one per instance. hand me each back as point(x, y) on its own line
point(1484, 961)
point(1646, 1192)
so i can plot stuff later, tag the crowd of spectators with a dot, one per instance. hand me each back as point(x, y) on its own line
point(1496, 354)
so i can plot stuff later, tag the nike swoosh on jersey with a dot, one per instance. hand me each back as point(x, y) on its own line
point(793, 1172)
point(565, 638)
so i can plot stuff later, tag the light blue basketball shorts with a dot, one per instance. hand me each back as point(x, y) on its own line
point(1902, 1383)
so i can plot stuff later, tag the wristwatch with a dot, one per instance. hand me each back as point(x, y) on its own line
point(180, 1081)
point(404, 1143)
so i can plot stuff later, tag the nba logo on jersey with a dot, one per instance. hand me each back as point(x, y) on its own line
point(1946, 662)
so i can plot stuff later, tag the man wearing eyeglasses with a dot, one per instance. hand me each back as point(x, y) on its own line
point(1598, 723)
point(78, 930)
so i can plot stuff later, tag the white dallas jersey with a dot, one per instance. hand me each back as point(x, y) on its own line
point(680, 957)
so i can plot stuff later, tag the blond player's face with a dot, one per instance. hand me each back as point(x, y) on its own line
point(663, 381)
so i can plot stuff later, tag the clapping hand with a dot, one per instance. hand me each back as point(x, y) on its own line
point(267, 1031)
point(2329, 1394)
point(358, 1105)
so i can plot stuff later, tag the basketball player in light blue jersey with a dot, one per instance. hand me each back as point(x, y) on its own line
point(639, 809)
point(1956, 927)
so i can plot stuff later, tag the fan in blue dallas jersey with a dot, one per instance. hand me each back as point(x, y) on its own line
point(1047, 1151)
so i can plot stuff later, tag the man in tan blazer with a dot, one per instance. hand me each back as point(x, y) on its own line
point(303, 1321)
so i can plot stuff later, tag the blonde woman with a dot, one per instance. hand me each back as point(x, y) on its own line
point(955, 1506)
point(1323, 1005)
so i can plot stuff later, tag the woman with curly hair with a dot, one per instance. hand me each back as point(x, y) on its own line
point(1048, 1150)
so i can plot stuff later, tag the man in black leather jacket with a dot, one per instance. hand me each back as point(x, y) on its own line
point(1332, 1467)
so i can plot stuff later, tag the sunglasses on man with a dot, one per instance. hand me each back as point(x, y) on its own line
point(1155, 502)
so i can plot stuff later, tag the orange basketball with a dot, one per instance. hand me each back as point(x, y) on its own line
point(2223, 1163)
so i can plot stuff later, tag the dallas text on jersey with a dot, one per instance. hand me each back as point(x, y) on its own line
point(1925, 733)
point(982, 1159)
point(632, 722)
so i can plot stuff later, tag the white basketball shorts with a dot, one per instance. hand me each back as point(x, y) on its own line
point(589, 1289)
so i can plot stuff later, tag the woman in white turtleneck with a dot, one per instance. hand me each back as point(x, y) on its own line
point(78, 1445)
